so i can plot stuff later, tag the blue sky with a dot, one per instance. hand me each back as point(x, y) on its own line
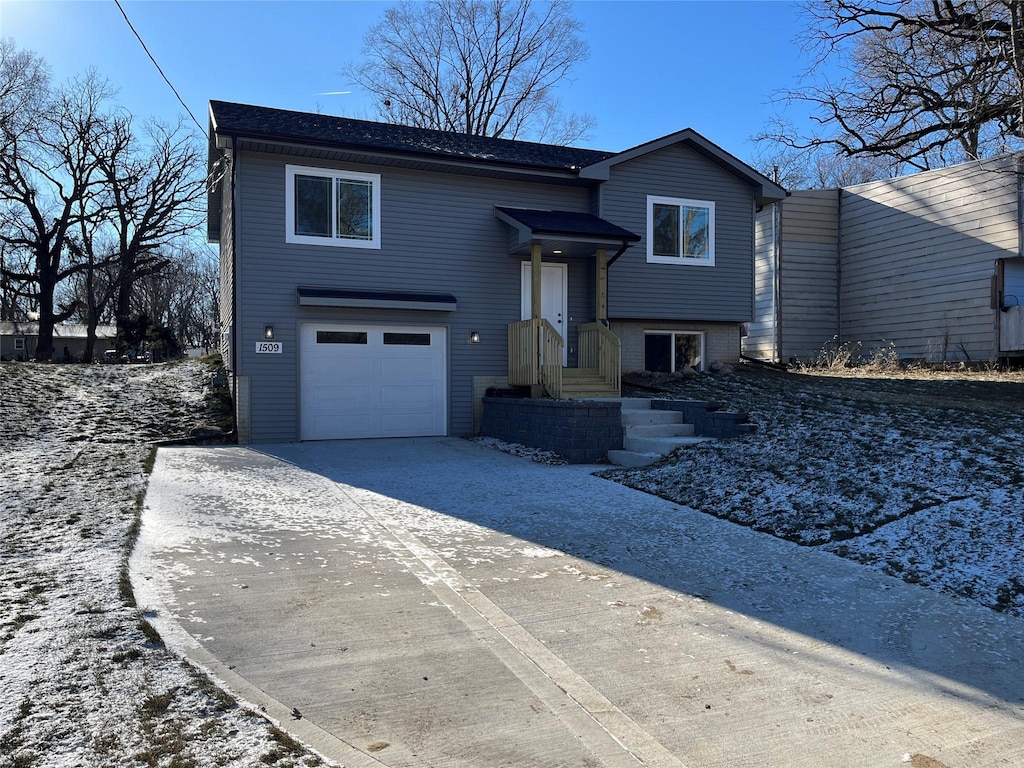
point(654, 68)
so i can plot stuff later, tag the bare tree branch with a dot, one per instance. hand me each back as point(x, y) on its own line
point(481, 67)
point(927, 82)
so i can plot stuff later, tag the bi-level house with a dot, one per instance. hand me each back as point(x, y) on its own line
point(378, 278)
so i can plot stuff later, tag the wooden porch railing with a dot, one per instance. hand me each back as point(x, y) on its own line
point(535, 355)
point(601, 349)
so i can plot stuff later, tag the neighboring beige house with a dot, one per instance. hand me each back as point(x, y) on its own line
point(930, 264)
point(18, 340)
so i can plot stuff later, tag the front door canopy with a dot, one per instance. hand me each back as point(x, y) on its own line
point(562, 234)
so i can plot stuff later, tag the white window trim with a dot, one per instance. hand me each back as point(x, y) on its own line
point(707, 261)
point(672, 346)
point(331, 173)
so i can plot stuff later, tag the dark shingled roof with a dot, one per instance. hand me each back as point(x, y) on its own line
point(342, 132)
point(568, 223)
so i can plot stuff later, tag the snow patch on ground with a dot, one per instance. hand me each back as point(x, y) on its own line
point(920, 477)
point(84, 680)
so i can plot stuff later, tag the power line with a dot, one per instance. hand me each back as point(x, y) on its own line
point(158, 69)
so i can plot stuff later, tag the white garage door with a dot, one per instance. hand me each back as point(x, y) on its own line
point(372, 381)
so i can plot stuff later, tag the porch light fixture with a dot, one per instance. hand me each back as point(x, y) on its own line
point(556, 251)
point(268, 332)
point(474, 337)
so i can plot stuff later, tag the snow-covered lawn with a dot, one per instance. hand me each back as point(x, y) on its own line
point(84, 680)
point(917, 474)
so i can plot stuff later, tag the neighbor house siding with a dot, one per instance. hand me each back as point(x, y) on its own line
point(918, 259)
point(722, 292)
point(808, 292)
point(761, 339)
point(438, 233)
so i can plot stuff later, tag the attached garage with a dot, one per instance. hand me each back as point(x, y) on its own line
point(372, 381)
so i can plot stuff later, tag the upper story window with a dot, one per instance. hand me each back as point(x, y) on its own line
point(327, 207)
point(680, 231)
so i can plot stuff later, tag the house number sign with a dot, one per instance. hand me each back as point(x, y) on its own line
point(269, 347)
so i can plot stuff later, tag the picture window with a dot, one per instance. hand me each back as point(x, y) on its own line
point(680, 231)
point(335, 208)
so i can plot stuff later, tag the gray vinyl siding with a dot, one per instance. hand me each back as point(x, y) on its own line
point(808, 290)
point(760, 341)
point(918, 259)
point(438, 234)
point(722, 292)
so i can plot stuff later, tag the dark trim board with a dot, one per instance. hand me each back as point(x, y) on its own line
point(340, 297)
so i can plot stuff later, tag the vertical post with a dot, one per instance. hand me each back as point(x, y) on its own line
point(535, 273)
point(602, 285)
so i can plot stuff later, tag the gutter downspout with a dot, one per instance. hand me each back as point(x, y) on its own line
point(625, 245)
point(777, 280)
point(839, 265)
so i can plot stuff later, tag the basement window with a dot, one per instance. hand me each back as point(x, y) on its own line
point(666, 352)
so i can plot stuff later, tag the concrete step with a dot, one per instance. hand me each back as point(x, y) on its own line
point(659, 430)
point(662, 445)
point(639, 417)
point(632, 458)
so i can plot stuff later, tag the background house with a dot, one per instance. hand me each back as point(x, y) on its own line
point(18, 340)
point(929, 263)
point(377, 278)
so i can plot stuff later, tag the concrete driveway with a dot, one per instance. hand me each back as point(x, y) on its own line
point(435, 603)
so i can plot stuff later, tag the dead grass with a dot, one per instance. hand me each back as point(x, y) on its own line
point(85, 678)
point(875, 465)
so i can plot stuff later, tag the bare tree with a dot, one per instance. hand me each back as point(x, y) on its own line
point(48, 170)
point(183, 298)
point(151, 199)
point(82, 193)
point(927, 83)
point(820, 167)
point(24, 84)
point(481, 67)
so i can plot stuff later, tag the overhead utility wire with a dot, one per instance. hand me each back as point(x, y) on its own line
point(158, 69)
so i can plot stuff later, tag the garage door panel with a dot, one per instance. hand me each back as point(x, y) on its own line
point(343, 399)
point(407, 397)
point(375, 389)
point(326, 366)
point(408, 369)
point(357, 424)
point(422, 423)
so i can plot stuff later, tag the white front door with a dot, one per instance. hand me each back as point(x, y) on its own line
point(553, 298)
